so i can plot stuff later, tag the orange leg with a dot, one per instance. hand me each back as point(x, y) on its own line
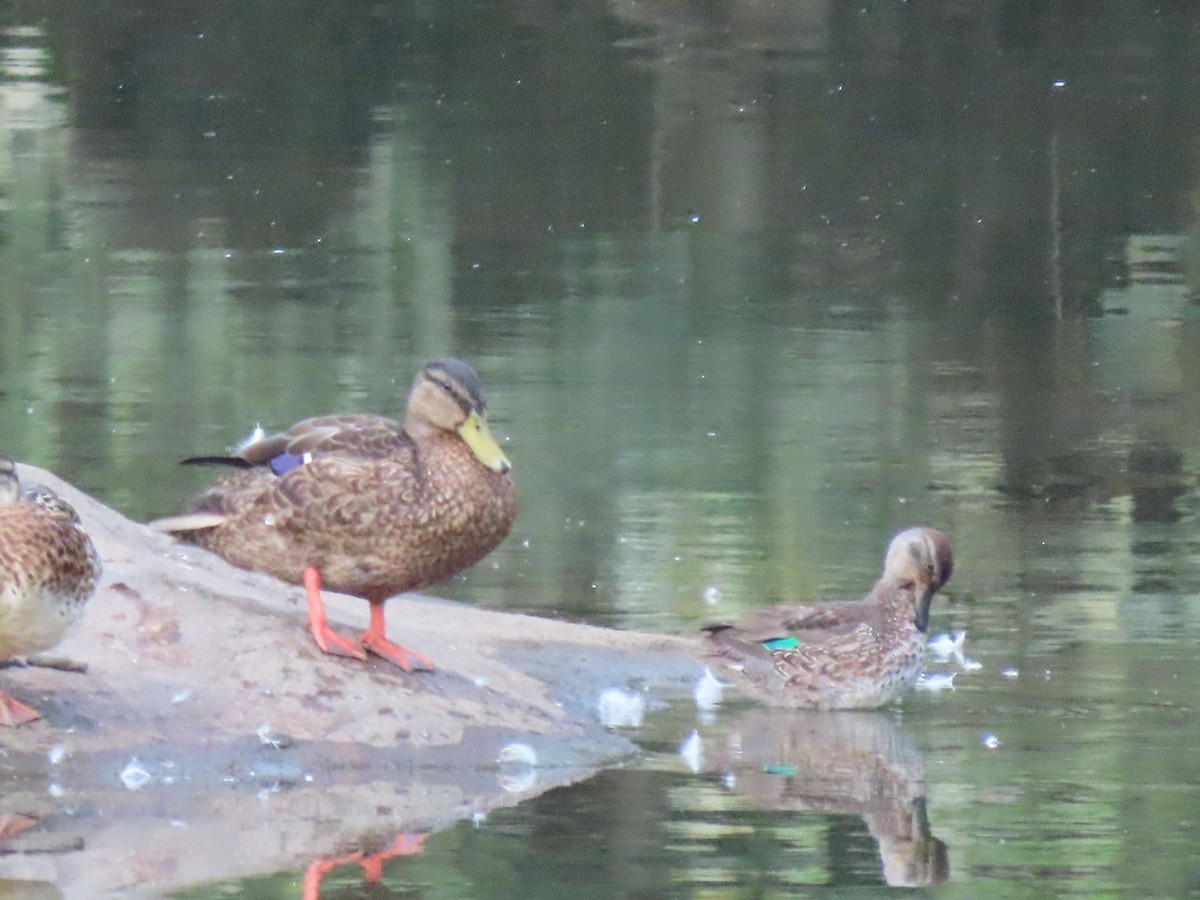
point(12, 824)
point(401, 845)
point(310, 887)
point(13, 712)
point(375, 640)
point(329, 641)
point(372, 865)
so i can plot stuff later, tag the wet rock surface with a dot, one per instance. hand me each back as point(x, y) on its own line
point(209, 737)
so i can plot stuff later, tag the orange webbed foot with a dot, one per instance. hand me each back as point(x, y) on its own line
point(375, 640)
point(335, 645)
point(394, 653)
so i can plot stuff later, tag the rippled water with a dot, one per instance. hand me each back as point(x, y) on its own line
point(748, 293)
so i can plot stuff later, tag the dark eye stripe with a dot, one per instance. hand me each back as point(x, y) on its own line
point(462, 386)
point(464, 403)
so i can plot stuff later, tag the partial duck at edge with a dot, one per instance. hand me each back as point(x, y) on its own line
point(49, 568)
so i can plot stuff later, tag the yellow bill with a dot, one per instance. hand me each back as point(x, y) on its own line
point(474, 431)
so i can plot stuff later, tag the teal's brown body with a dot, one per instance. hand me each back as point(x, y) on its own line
point(363, 504)
point(850, 654)
point(48, 571)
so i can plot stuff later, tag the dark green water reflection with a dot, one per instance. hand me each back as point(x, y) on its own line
point(749, 289)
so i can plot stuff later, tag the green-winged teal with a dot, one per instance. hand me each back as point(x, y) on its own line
point(365, 505)
point(849, 654)
point(48, 570)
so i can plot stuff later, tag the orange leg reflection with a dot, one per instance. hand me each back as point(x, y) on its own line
point(372, 863)
point(12, 824)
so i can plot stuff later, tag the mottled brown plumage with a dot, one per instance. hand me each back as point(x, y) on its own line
point(363, 504)
point(849, 654)
point(48, 571)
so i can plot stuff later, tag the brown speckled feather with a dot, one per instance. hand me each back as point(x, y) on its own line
point(48, 566)
point(852, 654)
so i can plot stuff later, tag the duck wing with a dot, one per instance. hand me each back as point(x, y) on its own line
point(356, 435)
point(347, 495)
point(808, 620)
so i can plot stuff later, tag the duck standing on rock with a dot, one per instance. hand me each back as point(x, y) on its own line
point(48, 571)
point(363, 504)
point(849, 654)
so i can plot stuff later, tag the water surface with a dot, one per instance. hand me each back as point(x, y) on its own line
point(749, 290)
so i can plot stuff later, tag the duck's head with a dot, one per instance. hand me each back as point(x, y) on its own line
point(921, 557)
point(43, 497)
point(10, 486)
point(446, 396)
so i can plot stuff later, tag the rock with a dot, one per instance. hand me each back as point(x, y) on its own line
point(246, 750)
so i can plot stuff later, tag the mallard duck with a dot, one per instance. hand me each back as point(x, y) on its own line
point(48, 570)
point(364, 505)
point(849, 654)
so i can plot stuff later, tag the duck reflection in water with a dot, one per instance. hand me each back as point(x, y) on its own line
point(843, 763)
